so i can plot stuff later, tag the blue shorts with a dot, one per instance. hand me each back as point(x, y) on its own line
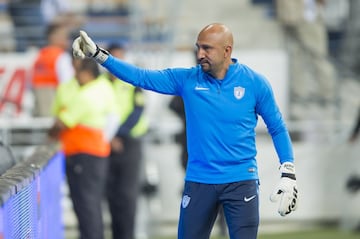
point(200, 205)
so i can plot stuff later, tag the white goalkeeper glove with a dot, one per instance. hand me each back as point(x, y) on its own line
point(286, 191)
point(83, 47)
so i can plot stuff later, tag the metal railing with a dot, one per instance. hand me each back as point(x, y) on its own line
point(30, 197)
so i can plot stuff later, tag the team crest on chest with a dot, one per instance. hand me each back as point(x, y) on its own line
point(239, 92)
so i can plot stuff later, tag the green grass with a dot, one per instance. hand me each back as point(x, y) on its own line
point(321, 234)
point(317, 234)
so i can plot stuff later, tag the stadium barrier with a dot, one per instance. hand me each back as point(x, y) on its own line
point(30, 196)
point(7, 159)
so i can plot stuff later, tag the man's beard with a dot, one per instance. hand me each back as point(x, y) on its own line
point(205, 65)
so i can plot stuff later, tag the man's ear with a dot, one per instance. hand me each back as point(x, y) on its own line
point(228, 50)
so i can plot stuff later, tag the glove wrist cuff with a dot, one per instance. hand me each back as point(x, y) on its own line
point(288, 175)
point(287, 167)
point(101, 55)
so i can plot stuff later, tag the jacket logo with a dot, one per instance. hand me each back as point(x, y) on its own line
point(239, 92)
point(185, 201)
point(201, 88)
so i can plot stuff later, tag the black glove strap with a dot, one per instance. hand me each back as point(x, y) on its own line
point(100, 55)
point(288, 175)
point(97, 51)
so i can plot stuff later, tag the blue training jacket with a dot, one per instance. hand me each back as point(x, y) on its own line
point(221, 116)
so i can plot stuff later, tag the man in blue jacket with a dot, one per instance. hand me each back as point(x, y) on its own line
point(222, 100)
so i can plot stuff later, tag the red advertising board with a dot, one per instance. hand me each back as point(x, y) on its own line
point(15, 90)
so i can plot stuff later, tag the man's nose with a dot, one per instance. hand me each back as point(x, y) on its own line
point(200, 54)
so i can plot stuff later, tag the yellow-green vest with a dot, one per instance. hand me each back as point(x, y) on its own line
point(125, 96)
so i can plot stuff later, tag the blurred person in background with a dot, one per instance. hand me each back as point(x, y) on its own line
point(61, 11)
point(353, 183)
point(52, 66)
point(55, 11)
point(176, 105)
point(31, 18)
point(121, 7)
point(350, 56)
point(350, 45)
point(222, 100)
point(123, 176)
point(312, 76)
point(85, 113)
point(352, 220)
point(356, 129)
point(28, 23)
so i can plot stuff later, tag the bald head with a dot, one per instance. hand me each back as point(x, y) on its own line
point(214, 44)
point(218, 32)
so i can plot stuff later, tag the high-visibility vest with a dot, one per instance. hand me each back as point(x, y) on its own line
point(64, 95)
point(44, 69)
point(84, 110)
point(127, 97)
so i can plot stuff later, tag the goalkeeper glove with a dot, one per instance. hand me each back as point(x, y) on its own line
point(286, 190)
point(83, 47)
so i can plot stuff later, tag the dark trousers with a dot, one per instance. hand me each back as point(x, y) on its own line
point(123, 188)
point(201, 202)
point(86, 176)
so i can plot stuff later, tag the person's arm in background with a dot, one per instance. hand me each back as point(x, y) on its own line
point(130, 122)
point(55, 130)
point(356, 130)
point(64, 68)
point(58, 125)
point(177, 106)
point(133, 118)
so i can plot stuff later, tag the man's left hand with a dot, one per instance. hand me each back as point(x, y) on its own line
point(286, 191)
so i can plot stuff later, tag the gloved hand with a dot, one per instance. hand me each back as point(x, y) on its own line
point(83, 47)
point(286, 190)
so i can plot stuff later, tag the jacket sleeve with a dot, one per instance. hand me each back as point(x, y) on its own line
point(162, 81)
point(134, 117)
point(268, 109)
